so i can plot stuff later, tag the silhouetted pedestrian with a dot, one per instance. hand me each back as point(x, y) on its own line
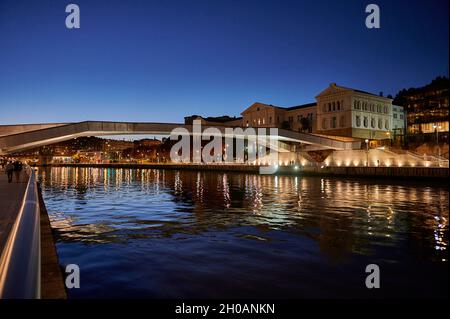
point(17, 169)
point(9, 168)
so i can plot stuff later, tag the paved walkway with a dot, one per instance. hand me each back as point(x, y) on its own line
point(11, 196)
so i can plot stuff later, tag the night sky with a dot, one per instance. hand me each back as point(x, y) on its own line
point(163, 60)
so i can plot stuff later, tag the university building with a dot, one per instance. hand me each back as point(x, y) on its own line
point(338, 111)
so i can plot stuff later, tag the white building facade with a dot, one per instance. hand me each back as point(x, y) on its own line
point(348, 112)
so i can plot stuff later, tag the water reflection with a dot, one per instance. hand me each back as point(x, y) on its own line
point(342, 220)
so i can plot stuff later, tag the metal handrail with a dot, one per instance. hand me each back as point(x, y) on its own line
point(20, 262)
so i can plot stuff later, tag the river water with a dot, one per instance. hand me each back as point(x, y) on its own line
point(149, 233)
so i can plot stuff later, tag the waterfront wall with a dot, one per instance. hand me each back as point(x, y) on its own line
point(386, 172)
point(378, 157)
point(52, 279)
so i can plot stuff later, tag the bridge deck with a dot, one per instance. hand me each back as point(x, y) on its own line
point(30, 139)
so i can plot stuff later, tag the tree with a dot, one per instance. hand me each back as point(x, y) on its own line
point(306, 123)
point(286, 125)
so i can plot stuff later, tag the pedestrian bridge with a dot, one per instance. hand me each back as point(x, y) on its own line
point(17, 138)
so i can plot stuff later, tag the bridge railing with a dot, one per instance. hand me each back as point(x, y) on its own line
point(20, 261)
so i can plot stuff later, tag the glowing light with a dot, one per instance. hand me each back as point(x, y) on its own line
point(296, 167)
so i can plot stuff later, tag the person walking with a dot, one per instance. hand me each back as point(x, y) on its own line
point(9, 168)
point(17, 169)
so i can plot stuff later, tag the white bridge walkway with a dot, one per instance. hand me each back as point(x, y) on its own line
point(16, 138)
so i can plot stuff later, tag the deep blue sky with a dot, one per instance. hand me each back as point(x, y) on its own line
point(162, 60)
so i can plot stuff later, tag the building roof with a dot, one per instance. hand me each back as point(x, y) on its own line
point(334, 87)
point(221, 119)
point(300, 106)
point(216, 119)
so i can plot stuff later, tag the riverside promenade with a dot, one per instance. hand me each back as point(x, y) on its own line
point(12, 197)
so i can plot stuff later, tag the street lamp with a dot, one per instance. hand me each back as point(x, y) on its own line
point(437, 128)
point(367, 152)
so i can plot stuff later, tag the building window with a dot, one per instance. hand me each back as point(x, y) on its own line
point(338, 105)
point(270, 119)
point(366, 121)
point(401, 116)
point(395, 115)
point(334, 106)
point(324, 123)
point(329, 107)
point(334, 122)
point(386, 125)
point(342, 121)
point(380, 124)
point(372, 122)
point(358, 120)
point(324, 108)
